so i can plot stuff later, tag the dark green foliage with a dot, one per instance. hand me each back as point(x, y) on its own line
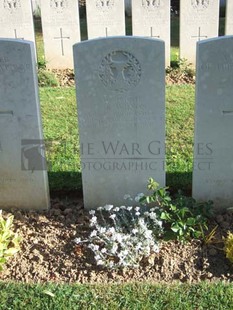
point(183, 218)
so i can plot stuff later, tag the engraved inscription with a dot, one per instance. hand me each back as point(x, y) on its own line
point(150, 4)
point(12, 5)
point(13, 68)
point(119, 71)
point(58, 5)
point(105, 4)
point(200, 4)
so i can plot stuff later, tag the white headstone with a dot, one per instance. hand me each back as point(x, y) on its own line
point(213, 164)
point(61, 30)
point(151, 18)
point(199, 19)
point(105, 18)
point(229, 18)
point(121, 108)
point(23, 175)
point(16, 20)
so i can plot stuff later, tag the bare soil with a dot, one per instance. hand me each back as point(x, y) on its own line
point(48, 251)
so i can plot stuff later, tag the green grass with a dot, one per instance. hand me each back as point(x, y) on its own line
point(179, 135)
point(131, 296)
point(60, 127)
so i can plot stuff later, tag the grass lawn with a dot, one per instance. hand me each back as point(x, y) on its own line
point(131, 296)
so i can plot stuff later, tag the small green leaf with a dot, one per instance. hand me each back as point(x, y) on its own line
point(164, 216)
point(48, 293)
point(175, 229)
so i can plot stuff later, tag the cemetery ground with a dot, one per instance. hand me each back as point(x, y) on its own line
point(48, 252)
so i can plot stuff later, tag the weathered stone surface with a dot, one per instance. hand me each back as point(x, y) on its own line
point(213, 164)
point(23, 175)
point(16, 20)
point(199, 19)
point(121, 104)
point(61, 30)
point(105, 18)
point(152, 19)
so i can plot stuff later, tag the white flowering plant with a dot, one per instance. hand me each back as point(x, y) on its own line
point(123, 236)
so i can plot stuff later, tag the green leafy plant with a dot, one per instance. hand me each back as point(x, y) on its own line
point(183, 218)
point(9, 241)
point(46, 78)
point(228, 247)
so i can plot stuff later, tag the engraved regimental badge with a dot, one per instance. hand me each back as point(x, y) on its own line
point(58, 5)
point(200, 4)
point(150, 4)
point(104, 5)
point(12, 5)
point(119, 71)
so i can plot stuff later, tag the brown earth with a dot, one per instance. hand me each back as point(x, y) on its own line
point(48, 251)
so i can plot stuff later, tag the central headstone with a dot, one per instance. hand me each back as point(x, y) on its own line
point(121, 108)
point(60, 22)
point(23, 174)
point(16, 20)
point(199, 20)
point(152, 19)
point(213, 164)
point(105, 18)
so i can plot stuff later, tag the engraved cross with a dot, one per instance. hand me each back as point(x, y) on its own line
point(151, 33)
point(62, 43)
point(199, 36)
point(16, 37)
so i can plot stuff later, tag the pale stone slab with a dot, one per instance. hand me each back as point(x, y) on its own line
point(105, 18)
point(213, 164)
point(23, 175)
point(229, 18)
point(199, 19)
point(151, 18)
point(61, 30)
point(16, 20)
point(121, 108)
